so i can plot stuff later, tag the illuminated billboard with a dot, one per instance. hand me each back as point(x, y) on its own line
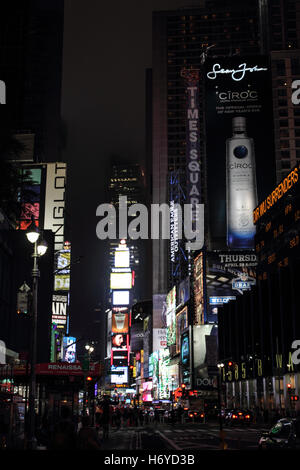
point(119, 341)
point(181, 325)
point(239, 145)
point(119, 357)
point(62, 270)
point(199, 290)
point(120, 297)
point(119, 375)
point(191, 81)
point(55, 202)
point(171, 317)
point(183, 291)
point(121, 280)
point(122, 258)
point(120, 322)
point(59, 309)
point(69, 349)
point(30, 196)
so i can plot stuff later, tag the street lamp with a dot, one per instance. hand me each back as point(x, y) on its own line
point(222, 436)
point(89, 348)
point(40, 248)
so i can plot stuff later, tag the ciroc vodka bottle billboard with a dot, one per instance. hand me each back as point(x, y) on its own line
point(240, 146)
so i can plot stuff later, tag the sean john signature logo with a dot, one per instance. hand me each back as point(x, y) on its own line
point(236, 74)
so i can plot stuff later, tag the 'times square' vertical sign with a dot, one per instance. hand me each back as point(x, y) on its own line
point(191, 79)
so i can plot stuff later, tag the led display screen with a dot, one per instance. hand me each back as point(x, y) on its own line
point(120, 323)
point(119, 341)
point(120, 297)
point(119, 375)
point(69, 349)
point(121, 280)
point(181, 324)
point(122, 259)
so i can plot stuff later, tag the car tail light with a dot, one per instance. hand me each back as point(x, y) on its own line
point(202, 416)
point(240, 414)
point(191, 415)
point(234, 416)
point(247, 416)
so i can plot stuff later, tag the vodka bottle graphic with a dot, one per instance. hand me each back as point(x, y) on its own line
point(241, 191)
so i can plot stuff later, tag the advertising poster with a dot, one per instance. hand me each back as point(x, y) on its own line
point(108, 333)
point(62, 270)
point(59, 309)
point(119, 323)
point(119, 357)
point(229, 275)
point(239, 152)
point(159, 339)
point(119, 341)
point(171, 316)
point(30, 197)
point(69, 349)
point(181, 325)
point(199, 290)
point(159, 311)
point(183, 292)
point(119, 375)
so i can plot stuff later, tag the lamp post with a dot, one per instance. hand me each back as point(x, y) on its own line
point(89, 348)
point(222, 436)
point(33, 235)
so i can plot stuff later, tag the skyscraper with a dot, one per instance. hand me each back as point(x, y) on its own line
point(128, 179)
point(180, 40)
point(31, 67)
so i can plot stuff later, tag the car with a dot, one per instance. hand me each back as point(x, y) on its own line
point(238, 417)
point(285, 434)
point(196, 416)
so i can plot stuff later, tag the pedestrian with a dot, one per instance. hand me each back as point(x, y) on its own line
point(105, 416)
point(141, 417)
point(87, 436)
point(64, 432)
point(118, 419)
point(266, 415)
point(156, 417)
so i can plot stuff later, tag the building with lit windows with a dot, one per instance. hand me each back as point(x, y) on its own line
point(257, 331)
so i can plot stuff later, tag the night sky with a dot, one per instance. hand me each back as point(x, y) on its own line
point(107, 48)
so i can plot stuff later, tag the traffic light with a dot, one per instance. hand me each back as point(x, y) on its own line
point(23, 303)
point(289, 388)
point(229, 363)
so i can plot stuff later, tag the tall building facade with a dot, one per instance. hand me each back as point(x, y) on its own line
point(31, 67)
point(128, 180)
point(180, 38)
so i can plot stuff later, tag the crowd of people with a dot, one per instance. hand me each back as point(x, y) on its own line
point(87, 432)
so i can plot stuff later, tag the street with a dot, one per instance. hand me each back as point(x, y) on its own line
point(182, 437)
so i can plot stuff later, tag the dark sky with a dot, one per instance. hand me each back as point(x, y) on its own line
point(107, 47)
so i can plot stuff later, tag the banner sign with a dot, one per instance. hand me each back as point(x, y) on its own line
point(191, 80)
point(55, 202)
